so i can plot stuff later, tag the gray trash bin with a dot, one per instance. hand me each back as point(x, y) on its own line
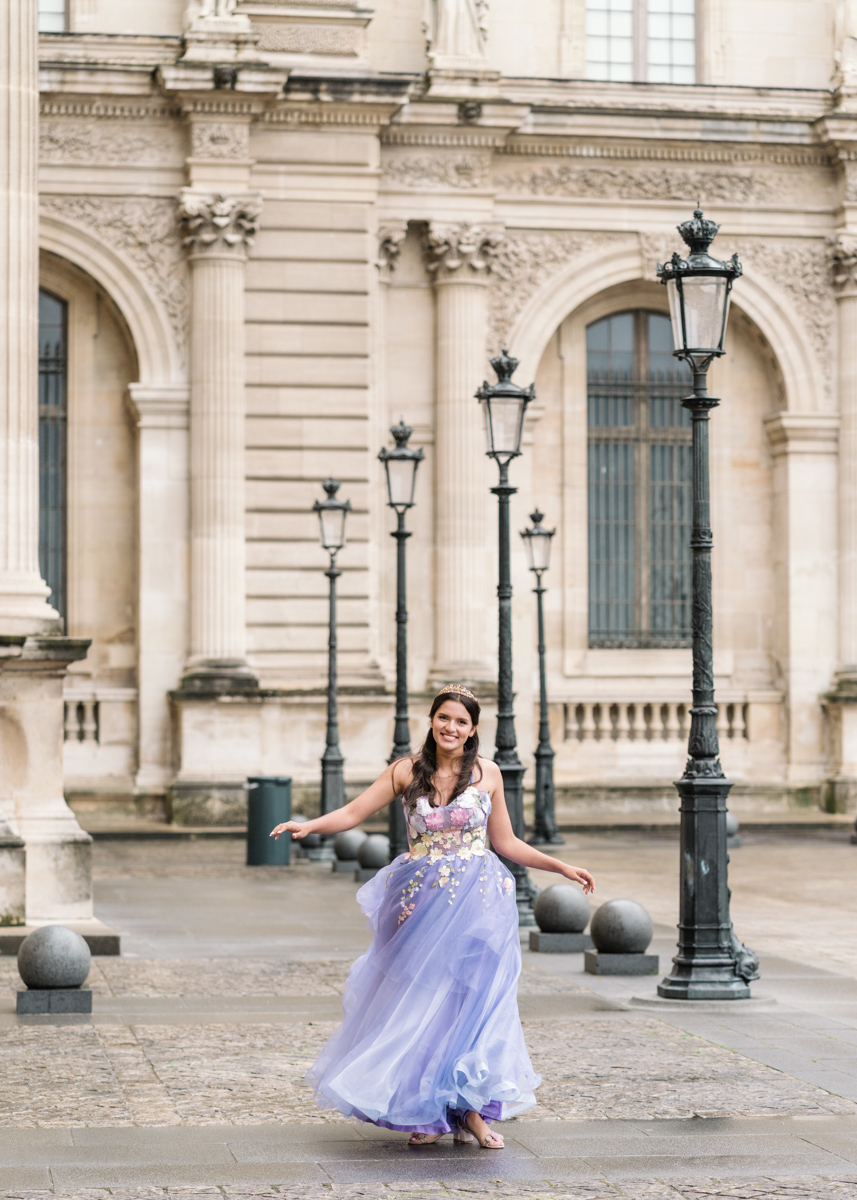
point(269, 803)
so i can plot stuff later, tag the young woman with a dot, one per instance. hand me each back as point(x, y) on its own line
point(431, 1040)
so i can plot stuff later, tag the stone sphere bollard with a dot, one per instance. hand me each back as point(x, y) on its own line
point(733, 838)
point(374, 853)
point(562, 908)
point(347, 843)
point(621, 927)
point(561, 911)
point(621, 931)
point(54, 957)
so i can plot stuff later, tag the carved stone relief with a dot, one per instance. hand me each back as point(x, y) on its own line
point(222, 140)
point(647, 182)
point(310, 39)
point(114, 143)
point(451, 248)
point(391, 238)
point(219, 222)
point(802, 270)
point(844, 255)
point(425, 171)
point(146, 230)
point(524, 262)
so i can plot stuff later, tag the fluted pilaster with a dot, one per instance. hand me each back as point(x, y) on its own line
point(24, 606)
point(459, 258)
point(845, 282)
point(219, 230)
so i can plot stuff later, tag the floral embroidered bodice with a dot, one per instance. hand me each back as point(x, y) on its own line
point(454, 830)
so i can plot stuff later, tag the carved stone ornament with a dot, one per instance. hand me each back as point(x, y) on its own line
point(221, 140)
point(801, 269)
point(391, 237)
point(216, 223)
point(113, 142)
point(735, 185)
point(845, 43)
point(525, 262)
point(845, 265)
point(424, 171)
point(144, 230)
point(449, 248)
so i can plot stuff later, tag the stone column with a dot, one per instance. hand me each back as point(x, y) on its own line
point(841, 788)
point(24, 606)
point(219, 229)
point(459, 258)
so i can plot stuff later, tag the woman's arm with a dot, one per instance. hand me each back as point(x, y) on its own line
point(504, 842)
point(385, 788)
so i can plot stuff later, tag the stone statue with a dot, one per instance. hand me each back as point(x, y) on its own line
point(209, 8)
point(455, 32)
point(845, 42)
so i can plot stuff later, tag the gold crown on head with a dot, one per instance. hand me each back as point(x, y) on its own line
point(457, 687)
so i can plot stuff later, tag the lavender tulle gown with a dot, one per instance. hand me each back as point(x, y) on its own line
point(431, 1028)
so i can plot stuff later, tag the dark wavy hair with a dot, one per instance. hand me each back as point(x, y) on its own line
point(425, 760)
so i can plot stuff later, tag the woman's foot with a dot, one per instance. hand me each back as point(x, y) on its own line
point(424, 1139)
point(486, 1138)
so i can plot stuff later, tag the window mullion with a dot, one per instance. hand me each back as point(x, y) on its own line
point(641, 70)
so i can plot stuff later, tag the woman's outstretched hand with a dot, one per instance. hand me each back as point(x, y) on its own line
point(578, 875)
point(298, 829)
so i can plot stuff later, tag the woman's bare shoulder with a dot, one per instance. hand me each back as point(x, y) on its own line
point(490, 772)
point(402, 772)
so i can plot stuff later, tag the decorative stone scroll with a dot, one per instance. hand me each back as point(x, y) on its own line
point(218, 222)
point(391, 238)
point(459, 171)
point(449, 248)
point(845, 265)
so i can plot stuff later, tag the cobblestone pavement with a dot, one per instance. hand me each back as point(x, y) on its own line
point(805, 1187)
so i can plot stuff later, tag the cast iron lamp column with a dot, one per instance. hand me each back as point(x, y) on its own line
point(711, 963)
point(400, 465)
point(331, 516)
point(503, 406)
point(538, 542)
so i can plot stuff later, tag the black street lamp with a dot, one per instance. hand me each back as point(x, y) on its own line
point(400, 465)
point(711, 964)
point(538, 542)
point(331, 518)
point(503, 406)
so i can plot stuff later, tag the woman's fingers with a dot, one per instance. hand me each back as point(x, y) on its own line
point(583, 878)
point(295, 828)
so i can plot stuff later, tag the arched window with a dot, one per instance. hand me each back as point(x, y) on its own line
point(639, 476)
point(53, 376)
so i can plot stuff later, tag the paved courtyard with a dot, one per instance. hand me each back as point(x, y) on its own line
point(187, 1080)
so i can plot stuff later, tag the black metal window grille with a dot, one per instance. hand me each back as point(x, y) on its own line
point(639, 484)
point(53, 404)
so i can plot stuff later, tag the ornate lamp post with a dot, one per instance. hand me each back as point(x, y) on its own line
point(331, 519)
point(711, 964)
point(400, 465)
point(538, 542)
point(503, 407)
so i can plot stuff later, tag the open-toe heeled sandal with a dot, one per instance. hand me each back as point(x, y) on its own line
point(491, 1141)
point(424, 1139)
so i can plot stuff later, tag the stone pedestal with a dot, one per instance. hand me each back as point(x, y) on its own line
point(559, 943)
point(459, 258)
point(597, 962)
point(58, 851)
point(40, 1001)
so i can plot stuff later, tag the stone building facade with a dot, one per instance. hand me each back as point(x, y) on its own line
point(268, 230)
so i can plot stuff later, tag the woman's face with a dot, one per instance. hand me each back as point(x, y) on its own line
point(451, 726)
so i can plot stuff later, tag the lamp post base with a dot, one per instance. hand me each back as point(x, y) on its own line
point(513, 787)
point(549, 839)
point(722, 985)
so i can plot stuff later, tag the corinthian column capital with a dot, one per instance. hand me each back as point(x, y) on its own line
point(217, 223)
point(462, 251)
point(845, 265)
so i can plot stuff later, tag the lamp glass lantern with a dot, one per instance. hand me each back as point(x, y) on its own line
point(503, 407)
point(699, 289)
point(400, 465)
point(331, 517)
point(538, 542)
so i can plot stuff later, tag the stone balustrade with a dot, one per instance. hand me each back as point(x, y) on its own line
point(641, 721)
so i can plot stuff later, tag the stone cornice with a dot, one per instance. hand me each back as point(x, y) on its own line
point(673, 151)
point(803, 433)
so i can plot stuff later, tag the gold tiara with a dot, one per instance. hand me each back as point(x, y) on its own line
point(457, 687)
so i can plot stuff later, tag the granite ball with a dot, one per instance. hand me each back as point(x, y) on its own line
point(621, 927)
point(347, 844)
point(375, 851)
point(562, 908)
point(731, 825)
point(54, 957)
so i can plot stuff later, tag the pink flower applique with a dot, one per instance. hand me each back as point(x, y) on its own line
point(434, 820)
point(507, 885)
point(459, 817)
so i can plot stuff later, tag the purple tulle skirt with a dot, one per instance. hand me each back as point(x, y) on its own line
point(431, 1028)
